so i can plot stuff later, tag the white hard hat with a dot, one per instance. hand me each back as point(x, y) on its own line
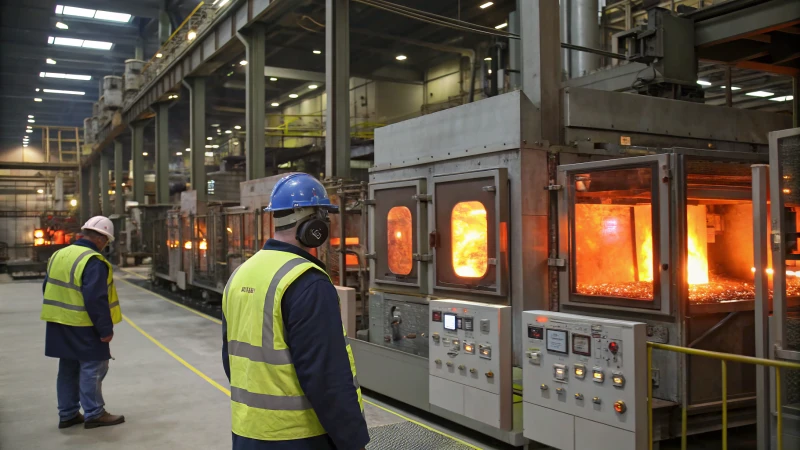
point(102, 225)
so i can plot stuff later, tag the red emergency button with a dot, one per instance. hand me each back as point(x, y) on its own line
point(613, 347)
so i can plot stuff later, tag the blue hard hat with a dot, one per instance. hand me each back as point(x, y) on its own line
point(299, 190)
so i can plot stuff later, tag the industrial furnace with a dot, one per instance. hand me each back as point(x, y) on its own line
point(469, 204)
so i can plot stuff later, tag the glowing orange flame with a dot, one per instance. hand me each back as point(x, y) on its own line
point(470, 239)
point(398, 227)
point(697, 264)
point(187, 245)
point(203, 245)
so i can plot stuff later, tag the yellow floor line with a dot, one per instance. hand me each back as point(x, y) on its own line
point(205, 316)
point(227, 392)
point(178, 358)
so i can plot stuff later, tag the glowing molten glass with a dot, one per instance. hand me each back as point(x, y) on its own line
point(697, 264)
point(187, 245)
point(203, 245)
point(399, 235)
point(470, 239)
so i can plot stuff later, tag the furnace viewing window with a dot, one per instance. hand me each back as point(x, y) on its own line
point(400, 240)
point(612, 234)
point(470, 234)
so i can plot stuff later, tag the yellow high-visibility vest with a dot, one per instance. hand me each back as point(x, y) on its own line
point(63, 301)
point(267, 402)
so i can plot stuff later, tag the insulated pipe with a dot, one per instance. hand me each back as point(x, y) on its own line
point(585, 32)
point(565, 30)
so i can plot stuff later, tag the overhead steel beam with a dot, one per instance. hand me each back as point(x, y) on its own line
point(55, 52)
point(757, 19)
point(162, 153)
point(294, 74)
point(37, 165)
point(197, 139)
point(337, 79)
point(137, 148)
point(255, 46)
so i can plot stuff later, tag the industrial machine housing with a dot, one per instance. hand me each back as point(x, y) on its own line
point(469, 205)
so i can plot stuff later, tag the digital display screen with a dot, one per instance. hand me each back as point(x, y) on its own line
point(581, 345)
point(535, 332)
point(450, 322)
point(557, 341)
point(437, 316)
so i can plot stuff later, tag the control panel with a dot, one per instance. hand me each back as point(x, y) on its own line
point(470, 360)
point(584, 381)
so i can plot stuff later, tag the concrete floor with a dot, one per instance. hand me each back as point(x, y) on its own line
point(166, 403)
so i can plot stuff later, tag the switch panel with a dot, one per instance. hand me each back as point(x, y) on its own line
point(597, 369)
point(474, 341)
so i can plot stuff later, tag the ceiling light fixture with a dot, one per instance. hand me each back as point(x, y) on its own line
point(70, 42)
point(178, 153)
point(312, 86)
point(273, 79)
point(488, 58)
point(243, 62)
point(159, 55)
point(92, 14)
point(37, 99)
point(486, 5)
point(316, 52)
point(31, 121)
point(209, 154)
point(785, 98)
point(761, 94)
point(733, 88)
point(50, 61)
point(238, 127)
point(59, 91)
point(30, 117)
point(222, 3)
point(62, 26)
point(228, 131)
point(215, 146)
point(25, 145)
point(65, 76)
point(275, 104)
point(401, 57)
point(40, 191)
point(37, 89)
point(293, 96)
point(703, 83)
point(501, 26)
point(145, 153)
point(209, 138)
point(29, 131)
point(189, 150)
point(191, 35)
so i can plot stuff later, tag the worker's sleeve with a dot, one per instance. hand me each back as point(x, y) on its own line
point(315, 336)
point(94, 287)
point(226, 363)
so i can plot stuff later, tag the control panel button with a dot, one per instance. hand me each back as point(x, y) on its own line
point(597, 375)
point(473, 370)
point(449, 363)
point(578, 396)
point(484, 325)
point(535, 332)
point(535, 357)
point(560, 372)
point(580, 371)
point(469, 324)
point(620, 407)
point(490, 374)
point(469, 347)
point(438, 361)
point(436, 316)
point(596, 400)
point(613, 347)
point(485, 351)
point(560, 391)
point(543, 387)
point(618, 379)
point(462, 367)
point(456, 343)
point(435, 337)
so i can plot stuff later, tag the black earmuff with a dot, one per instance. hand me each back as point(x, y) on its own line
point(313, 232)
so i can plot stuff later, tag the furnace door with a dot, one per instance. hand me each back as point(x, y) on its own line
point(399, 223)
point(614, 233)
point(471, 237)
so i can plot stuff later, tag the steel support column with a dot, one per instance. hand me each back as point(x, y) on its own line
point(59, 193)
point(162, 153)
point(796, 102)
point(119, 200)
point(255, 43)
point(137, 150)
point(541, 64)
point(337, 81)
point(105, 205)
point(164, 27)
point(197, 135)
point(94, 190)
point(761, 262)
point(86, 187)
point(514, 52)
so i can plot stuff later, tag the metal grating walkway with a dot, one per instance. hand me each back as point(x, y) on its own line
point(410, 436)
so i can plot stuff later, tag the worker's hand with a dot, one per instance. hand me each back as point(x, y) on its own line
point(107, 338)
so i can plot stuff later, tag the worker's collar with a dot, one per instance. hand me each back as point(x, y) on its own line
point(87, 243)
point(281, 246)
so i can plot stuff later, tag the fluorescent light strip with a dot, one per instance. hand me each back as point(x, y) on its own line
point(65, 76)
point(50, 61)
point(78, 12)
point(486, 5)
point(733, 88)
point(70, 42)
point(501, 26)
point(761, 94)
point(93, 14)
point(59, 91)
point(703, 83)
point(783, 99)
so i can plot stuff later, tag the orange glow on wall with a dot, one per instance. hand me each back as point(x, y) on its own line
point(399, 237)
point(349, 241)
point(470, 239)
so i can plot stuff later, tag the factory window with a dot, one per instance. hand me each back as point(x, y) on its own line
point(613, 233)
point(470, 238)
point(399, 234)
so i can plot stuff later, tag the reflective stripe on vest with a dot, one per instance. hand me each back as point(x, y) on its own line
point(63, 300)
point(279, 409)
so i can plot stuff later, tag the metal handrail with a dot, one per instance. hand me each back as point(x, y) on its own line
point(724, 359)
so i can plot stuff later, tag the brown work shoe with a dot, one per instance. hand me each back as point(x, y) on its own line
point(105, 420)
point(68, 423)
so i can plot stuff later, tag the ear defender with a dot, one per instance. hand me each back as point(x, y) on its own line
point(313, 232)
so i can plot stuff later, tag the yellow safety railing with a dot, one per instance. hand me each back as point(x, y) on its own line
point(724, 359)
